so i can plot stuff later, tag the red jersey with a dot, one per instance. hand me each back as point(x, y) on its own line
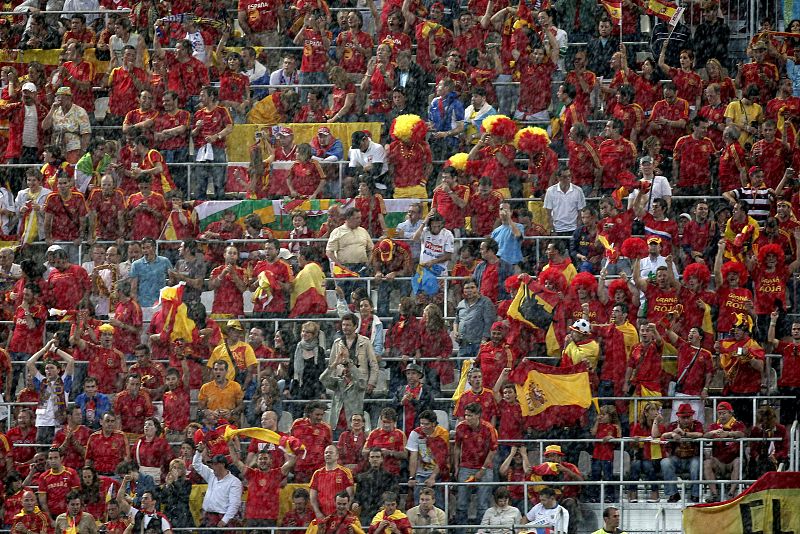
point(511, 423)
point(772, 157)
point(106, 452)
point(80, 72)
point(106, 365)
point(731, 162)
point(137, 115)
point(394, 440)
point(306, 176)
point(21, 454)
point(162, 182)
point(68, 286)
point(693, 156)
point(447, 208)
point(227, 297)
point(176, 409)
point(186, 78)
point(352, 60)
point(694, 378)
point(727, 451)
point(214, 121)
point(72, 457)
point(484, 212)
point(632, 117)
point(769, 289)
point(67, 215)
point(616, 155)
point(583, 163)
point(645, 360)
point(408, 162)
point(582, 98)
point(535, 93)
point(763, 75)
point(491, 166)
point(475, 443)
point(24, 339)
point(483, 78)
point(145, 223)
point(55, 487)
point(714, 115)
point(33, 522)
point(790, 371)
point(123, 95)
point(731, 302)
point(133, 411)
point(315, 53)
point(129, 313)
point(167, 121)
point(605, 451)
point(689, 84)
point(233, 86)
point(619, 227)
point(485, 398)
point(262, 15)
point(328, 484)
point(12, 506)
point(315, 438)
point(493, 358)
point(156, 453)
point(660, 302)
point(442, 41)
point(669, 135)
point(282, 273)
point(742, 379)
point(263, 488)
point(107, 210)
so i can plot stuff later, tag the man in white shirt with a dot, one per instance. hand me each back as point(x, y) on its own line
point(366, 157)
point(406, 229)
point(548, 512)
point(563, 203)
point(438, 243)
point(286, 75)
point(475, 113)
point(224, 494)
point(654, 260)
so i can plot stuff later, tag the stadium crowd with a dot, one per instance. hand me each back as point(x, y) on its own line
point(490, 111)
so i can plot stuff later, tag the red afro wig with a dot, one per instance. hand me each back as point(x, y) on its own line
point(772, 248)
point(555, 277)
point(583, 280)
point(734, 267)
point(698, 270)
point(619, 284)
point(634, 247)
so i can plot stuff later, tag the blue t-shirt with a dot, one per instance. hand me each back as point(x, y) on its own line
point(152, 277)
point(510, 247)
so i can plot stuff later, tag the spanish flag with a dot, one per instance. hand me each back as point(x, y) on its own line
point(463, 384)
point(614, 10)
point(769, 505)
point(308, 292)
point(285, 442)
point(665, 10)
point(176, 323)
point(340, 271)
point(552, 395)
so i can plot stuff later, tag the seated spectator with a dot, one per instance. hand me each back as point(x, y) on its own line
point(390, 518)
point(684, 451)
point(426, 514)
point(221, 397)
point(548, 512)
point(301, 515)
point(646, 453)
point(767, 456)
point(502, 514)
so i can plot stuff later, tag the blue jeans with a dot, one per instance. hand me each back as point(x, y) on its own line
point(215, 173)
point(603, 470)
point(468, 350)
point(437, 490)
point(646, 467)
point(672, 465)
point(464, 492)
point(178, 172)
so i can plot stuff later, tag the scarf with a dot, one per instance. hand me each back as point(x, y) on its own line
point(300, 359)
point(30, 223)
point(72, 523)
point(729, 425)
point(56, 389)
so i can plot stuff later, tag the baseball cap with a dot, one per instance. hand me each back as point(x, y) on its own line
point(646, 160)
point(324, 130)
point(285, 131)
point(357, 137)
point(285, 254)
point(759, 45)
point(54, 248)
point(386, 247)
point(754, 169)
point(724, 406)
point(415, 367)
point(29, 86)
point(64, 90)
point(235, 324)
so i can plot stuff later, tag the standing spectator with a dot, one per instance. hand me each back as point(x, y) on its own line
point(475, 315)
point(19, 438)
point(29, 205)
point(450, 199)
point(186, 75)
point(492, 272)
point(508, 236)
point(746, 114)
point(600, 49)
point(348, 387)
point(483, 208)
point(711, 36)
point(685, 454)
point(584, 161)
point(106, 206)
point(221, 397)
point(316, 40)
point(327, 482)
point(147, 211)
point(224, 494)
point(54, 485)
point(742, 360)
point(106, 363)
point(53, 388)
point(475, 446)
point(669, 117)
point(389, 260)
point(643, 372)
point(148, 276)
point(147, 515)
point(695, 368)
point(437, 242)
point(646, 455)
point(675, 37)
point(211, 125)
point(65, 213)
point(616, 154)
point(446, 120)
point(714, 112)
point(68, 124)
point(428, 455)
point(691, 159)
point(563, 203)
point(771, 154)
point(93, 405)
point(169, 133)
point(133, 406)
point(274, 304)
point(263, 484)
point(350, 245)
point(25, 134)
point(228, 282)
point(759, 72)
point(351, 444)
point(537, 71)
point(71, 439)
point(315, 435)
point(371, 483)
point(127, 82)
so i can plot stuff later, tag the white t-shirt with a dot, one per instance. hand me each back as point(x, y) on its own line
point(374, 154)
point(660, 188)
point(434, 246)
point(557, 517)
point(419, 444)
point(147, 518)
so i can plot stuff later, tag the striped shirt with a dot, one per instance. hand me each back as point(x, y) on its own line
point(759, 200)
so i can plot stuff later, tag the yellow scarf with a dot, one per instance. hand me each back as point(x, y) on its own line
point(30, 228)
point(729, 425)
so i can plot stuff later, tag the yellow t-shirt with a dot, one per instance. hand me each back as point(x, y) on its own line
point(742, 115)
point(242, 354)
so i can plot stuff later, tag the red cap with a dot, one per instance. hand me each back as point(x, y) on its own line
point(724, 406)
point(285, 131)
point(685, 409)
point(754, 169)
point(499, 325)
point(324, 130)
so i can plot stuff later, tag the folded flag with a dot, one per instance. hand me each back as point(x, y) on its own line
point(264, 283)
point(340, 271)
point(285, 442)
point(463, 383)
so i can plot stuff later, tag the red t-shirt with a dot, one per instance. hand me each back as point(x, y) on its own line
point(615, 156)
point(17, 436)
point(648, 371)
point(105, 365)
point(751, 73)
point(306, 177)
point(187, 78)
point(106, 452)
point(129, 313)
point(315, 53)
point(135, 116)
point(133, 411)
point(689, 84)
point(214, 121)
point(67, 215)
point(408, 162)
point(769, 289)
point(394, 440)
point(714, 115)
point(56, 486)
point(731, 302)
point(583, 161)
point(492, 358)
point(668, 135)
point(582, 98)
point(535, 92)
point(256, 446)
point(484, 212)
point(262, 15)
point(145, 223)
point(227, 298)
point(790, 371)
point(352, 61)
point(263, 488)
point(27, 340)
point(693, 156)
point(315, 438)
point(511, 422)
point(167, 121)
point(732, 160)
point(619, 227)
point(444, 205)
point(695, 377)
point(727, 451)
point(107, 210)
point(156, 453)
point(162, 182)
point(490, 285)
point(282, 272)
point(660, 302)
point(82, 72)
point(605, 451)
point(123, 95)
point(328, 484)
point(71, 456)
point(176, 409)
point(68, 286)
point(338, 97)
point(475, 443)
point(772, 157)
point(485, 398)
point(233, 86)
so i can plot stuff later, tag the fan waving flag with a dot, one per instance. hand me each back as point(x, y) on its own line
point(285, 442)
point(177, 324)
point(614, 10)
point(665, 10)
point(533, 305)
point(552, 395)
